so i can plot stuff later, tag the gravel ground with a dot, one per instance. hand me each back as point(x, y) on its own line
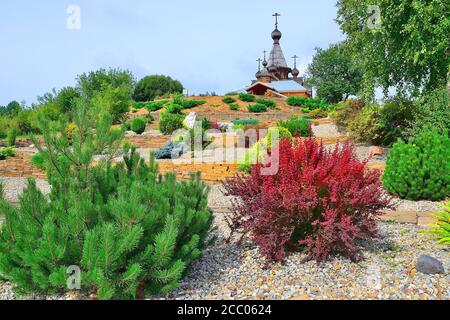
point(230, 272)
point(326, 130)
point(14, 186)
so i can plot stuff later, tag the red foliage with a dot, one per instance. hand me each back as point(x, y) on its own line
point(215, 125)
point(320, 200)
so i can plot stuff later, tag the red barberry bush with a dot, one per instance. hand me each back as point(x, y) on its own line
point(320, 200)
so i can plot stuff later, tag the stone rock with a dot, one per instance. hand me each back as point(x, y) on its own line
point(189, 122)
point(171, 151)
point(376, 151)
point(429, 265)
point(130, 134)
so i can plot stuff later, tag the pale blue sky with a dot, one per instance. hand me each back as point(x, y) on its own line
point(207, 45)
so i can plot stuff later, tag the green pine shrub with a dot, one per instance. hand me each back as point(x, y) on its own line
point(297, 126)
point(174, 108)
point(441, 229)
point(170, 122)
point(234, 107)
point(246, 97)
point(138, 125)
point(257, 108)
point(7, 152)
point(131, 232)
point(228, 100)
point(38, 160)
point(420, 168)
point(270, 104)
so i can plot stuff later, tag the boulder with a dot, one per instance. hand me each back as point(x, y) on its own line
point(429, 265)
point(171, 151)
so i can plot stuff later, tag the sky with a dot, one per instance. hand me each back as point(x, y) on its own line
point(208, 45)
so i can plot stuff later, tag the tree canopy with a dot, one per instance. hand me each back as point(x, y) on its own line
point(334, 73)
point(155, 86)
point(400, 43)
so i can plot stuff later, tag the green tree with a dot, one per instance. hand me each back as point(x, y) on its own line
point(102, 79)
point(66, 98)
point(155, 86)
point(400, 43)
point(11, 109)
point(334, 73)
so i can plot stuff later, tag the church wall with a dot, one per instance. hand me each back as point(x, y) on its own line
point(303, 94)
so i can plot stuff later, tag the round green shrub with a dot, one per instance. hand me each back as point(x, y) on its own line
point(228, 100)
point(257, 108)
point(138, 125)
point(170, 122)
point(234, 107)
point(420, 168)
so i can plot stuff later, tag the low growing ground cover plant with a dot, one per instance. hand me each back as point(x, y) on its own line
point(319, 201)
point(245, 97)
point(270, 104)
point(245, 122)
point(131, 232)
point(420, 168)
point(307, 103)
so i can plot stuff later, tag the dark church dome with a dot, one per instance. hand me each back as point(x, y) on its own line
point(276, 35)
point(295, 72)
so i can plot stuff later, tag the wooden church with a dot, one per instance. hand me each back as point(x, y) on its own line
point(276, 79)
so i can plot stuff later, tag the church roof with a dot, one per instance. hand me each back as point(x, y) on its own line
point(277, 57)
point(281, 86)
point(287, 85)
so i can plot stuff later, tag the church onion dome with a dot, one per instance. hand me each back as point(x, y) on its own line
point(295, 72)
point(276, 35)
point(265, 63)
point(258, 74)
